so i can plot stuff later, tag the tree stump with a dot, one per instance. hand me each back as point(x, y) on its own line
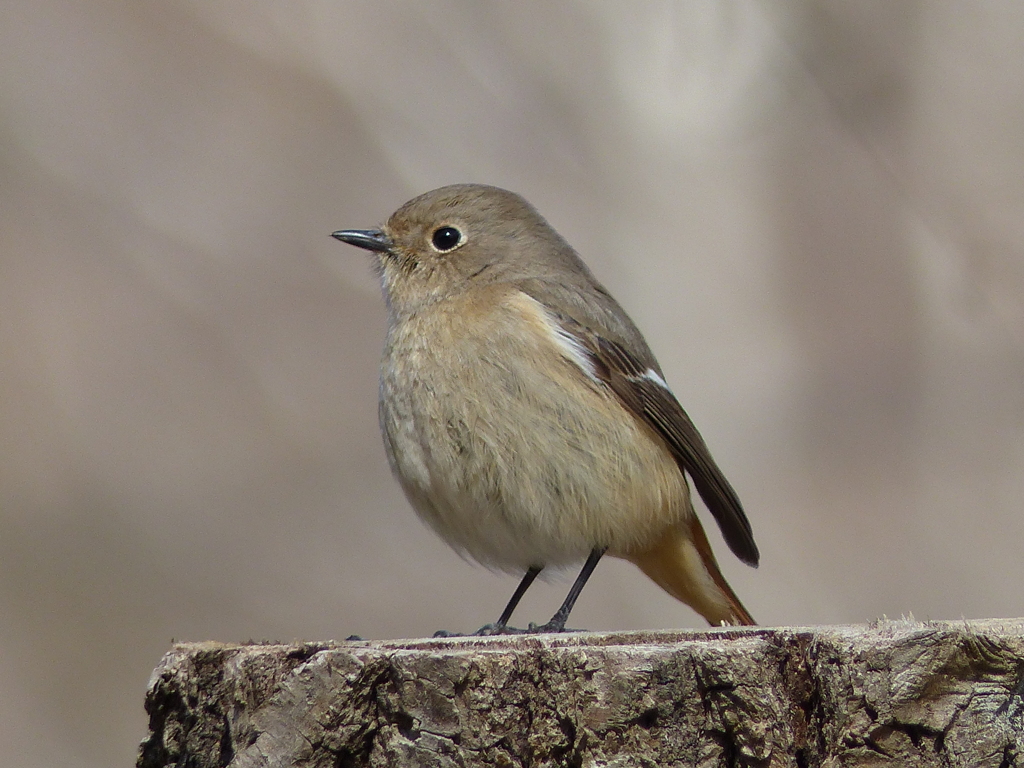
point(886, 694)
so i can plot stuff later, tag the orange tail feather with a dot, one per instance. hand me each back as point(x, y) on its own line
point(681, 563)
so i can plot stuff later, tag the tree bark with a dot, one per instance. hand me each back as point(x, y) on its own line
point(886, 694)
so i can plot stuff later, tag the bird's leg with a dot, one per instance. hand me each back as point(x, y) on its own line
point(557, 623)
point(500, 627)
point(524, 585)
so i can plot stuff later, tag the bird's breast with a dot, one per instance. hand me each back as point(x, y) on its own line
point(506, 446)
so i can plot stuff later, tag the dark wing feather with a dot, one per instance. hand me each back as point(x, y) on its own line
point(630, 380)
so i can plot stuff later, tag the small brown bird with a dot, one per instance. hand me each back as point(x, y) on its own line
point(524, 414)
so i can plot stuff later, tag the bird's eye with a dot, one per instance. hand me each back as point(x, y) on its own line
point(445, 239)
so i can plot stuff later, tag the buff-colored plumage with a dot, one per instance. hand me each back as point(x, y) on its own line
point(514, 474)
point(508, 431)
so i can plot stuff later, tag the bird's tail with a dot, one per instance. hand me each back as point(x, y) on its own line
point(681, 563)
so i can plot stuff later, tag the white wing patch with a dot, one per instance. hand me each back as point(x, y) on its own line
point(573, 348)
point(568, 344)
point(652, 374)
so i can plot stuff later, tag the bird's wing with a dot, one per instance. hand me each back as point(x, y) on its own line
point(642, 390)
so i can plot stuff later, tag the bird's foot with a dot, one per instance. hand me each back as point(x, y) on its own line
point(551, 626)
point(489, 630)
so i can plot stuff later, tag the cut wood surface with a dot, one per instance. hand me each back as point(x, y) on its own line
point(890, 693)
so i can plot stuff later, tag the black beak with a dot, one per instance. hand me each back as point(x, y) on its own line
point(370, 239)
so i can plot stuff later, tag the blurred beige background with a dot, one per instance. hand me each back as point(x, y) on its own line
point(813, 210)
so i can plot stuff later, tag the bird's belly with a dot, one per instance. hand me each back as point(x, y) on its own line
point(518, 468)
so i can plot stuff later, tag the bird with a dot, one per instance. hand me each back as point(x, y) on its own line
point(524, 415)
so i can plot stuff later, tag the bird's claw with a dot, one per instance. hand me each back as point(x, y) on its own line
point(488, 630)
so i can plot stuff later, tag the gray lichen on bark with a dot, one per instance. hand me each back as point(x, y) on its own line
point(892, 693)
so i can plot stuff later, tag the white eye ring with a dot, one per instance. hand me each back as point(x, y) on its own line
point(446, 238)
